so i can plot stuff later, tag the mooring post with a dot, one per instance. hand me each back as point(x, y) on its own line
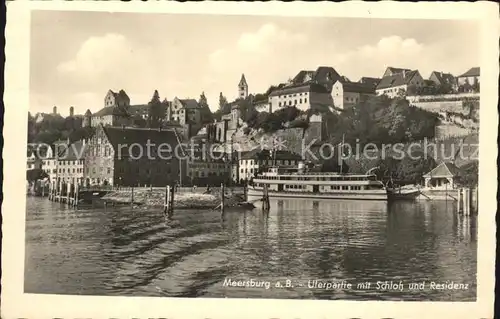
point(265, 198)
point(76, 195)
point(222, 198)
point(132, 196)
point(466, 202)
point(68, 192)
point(459, 199)
point(166, 201)
point(171, 206)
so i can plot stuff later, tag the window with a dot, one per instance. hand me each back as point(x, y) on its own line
point(109, 170)
point(305, 100)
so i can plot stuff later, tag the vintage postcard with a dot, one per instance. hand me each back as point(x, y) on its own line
point(249, 160)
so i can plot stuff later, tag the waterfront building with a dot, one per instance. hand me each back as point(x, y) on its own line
point(121, 156)
point(347, 94)
point(70, 163)
point(443, 176)
point(399, 83)
point(33, 163)
point(252, 162)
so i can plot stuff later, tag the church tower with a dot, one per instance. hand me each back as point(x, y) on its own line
point(243, 88)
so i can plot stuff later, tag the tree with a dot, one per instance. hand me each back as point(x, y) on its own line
point(35, 174)
point(222, 102)
point(156, 111)
point(206, 114)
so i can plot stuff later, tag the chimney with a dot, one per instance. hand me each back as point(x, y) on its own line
point(54, 110)
point(71, 111)
point(404, 73)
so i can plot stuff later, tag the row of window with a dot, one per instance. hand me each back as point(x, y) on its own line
point(268, 162)
point(295, 94)
point(202, 174)
point(347, 187)
point(75, 162)
point(64, 170)
point(290, 102)
point(336, 178)
point(295, 186)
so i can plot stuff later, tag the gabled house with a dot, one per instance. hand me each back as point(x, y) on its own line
point(443, 176)
point(442, 79)
point(392, 71)
point(469, 81)
point(398, 83)
point(373, 82)
point(121, 156)
point(347, 94)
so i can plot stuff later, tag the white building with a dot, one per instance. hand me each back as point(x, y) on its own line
point(347, 94)
point(401, 82)
point(69, 164)
point(251, 162)
point(302, 96)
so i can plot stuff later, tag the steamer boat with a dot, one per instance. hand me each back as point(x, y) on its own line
point(299, 183)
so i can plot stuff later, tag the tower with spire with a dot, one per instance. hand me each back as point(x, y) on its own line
point(243, 88)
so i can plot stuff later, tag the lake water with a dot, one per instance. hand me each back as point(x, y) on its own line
point(135, 252)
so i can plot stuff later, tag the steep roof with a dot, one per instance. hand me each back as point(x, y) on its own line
point(471, 72)
point(189, 103)
point(445, 169)
point(88, 112)
point(370, 81)
point(112, 110)
point(243, 81)
point(356, 87)
point(394, 70)
point(120, 95)
point(73, 152)
point(301, 76)
point(298, 88)
point(444, 78)
point(396, 79)
point(128, 136)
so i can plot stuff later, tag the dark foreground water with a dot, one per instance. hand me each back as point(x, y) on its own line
point(136, 252)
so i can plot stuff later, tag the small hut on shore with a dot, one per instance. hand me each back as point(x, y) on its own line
point(443, 176)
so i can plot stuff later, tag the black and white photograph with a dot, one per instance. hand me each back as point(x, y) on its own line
point(250, 156)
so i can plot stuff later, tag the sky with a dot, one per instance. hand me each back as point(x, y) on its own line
point(76, 56)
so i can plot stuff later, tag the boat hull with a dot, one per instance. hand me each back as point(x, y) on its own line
point(255, 194)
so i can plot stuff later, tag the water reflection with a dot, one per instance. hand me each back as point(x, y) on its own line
point(125, 251)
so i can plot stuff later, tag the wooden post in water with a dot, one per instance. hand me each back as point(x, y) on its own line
point(68, 192)
point(459, 200)
point(265, 198)
point(466, 202)
point(43, 189)
point(75, 201)
point(132, 196)
point(166, 202)
point(222, 198)
point(171, 205)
